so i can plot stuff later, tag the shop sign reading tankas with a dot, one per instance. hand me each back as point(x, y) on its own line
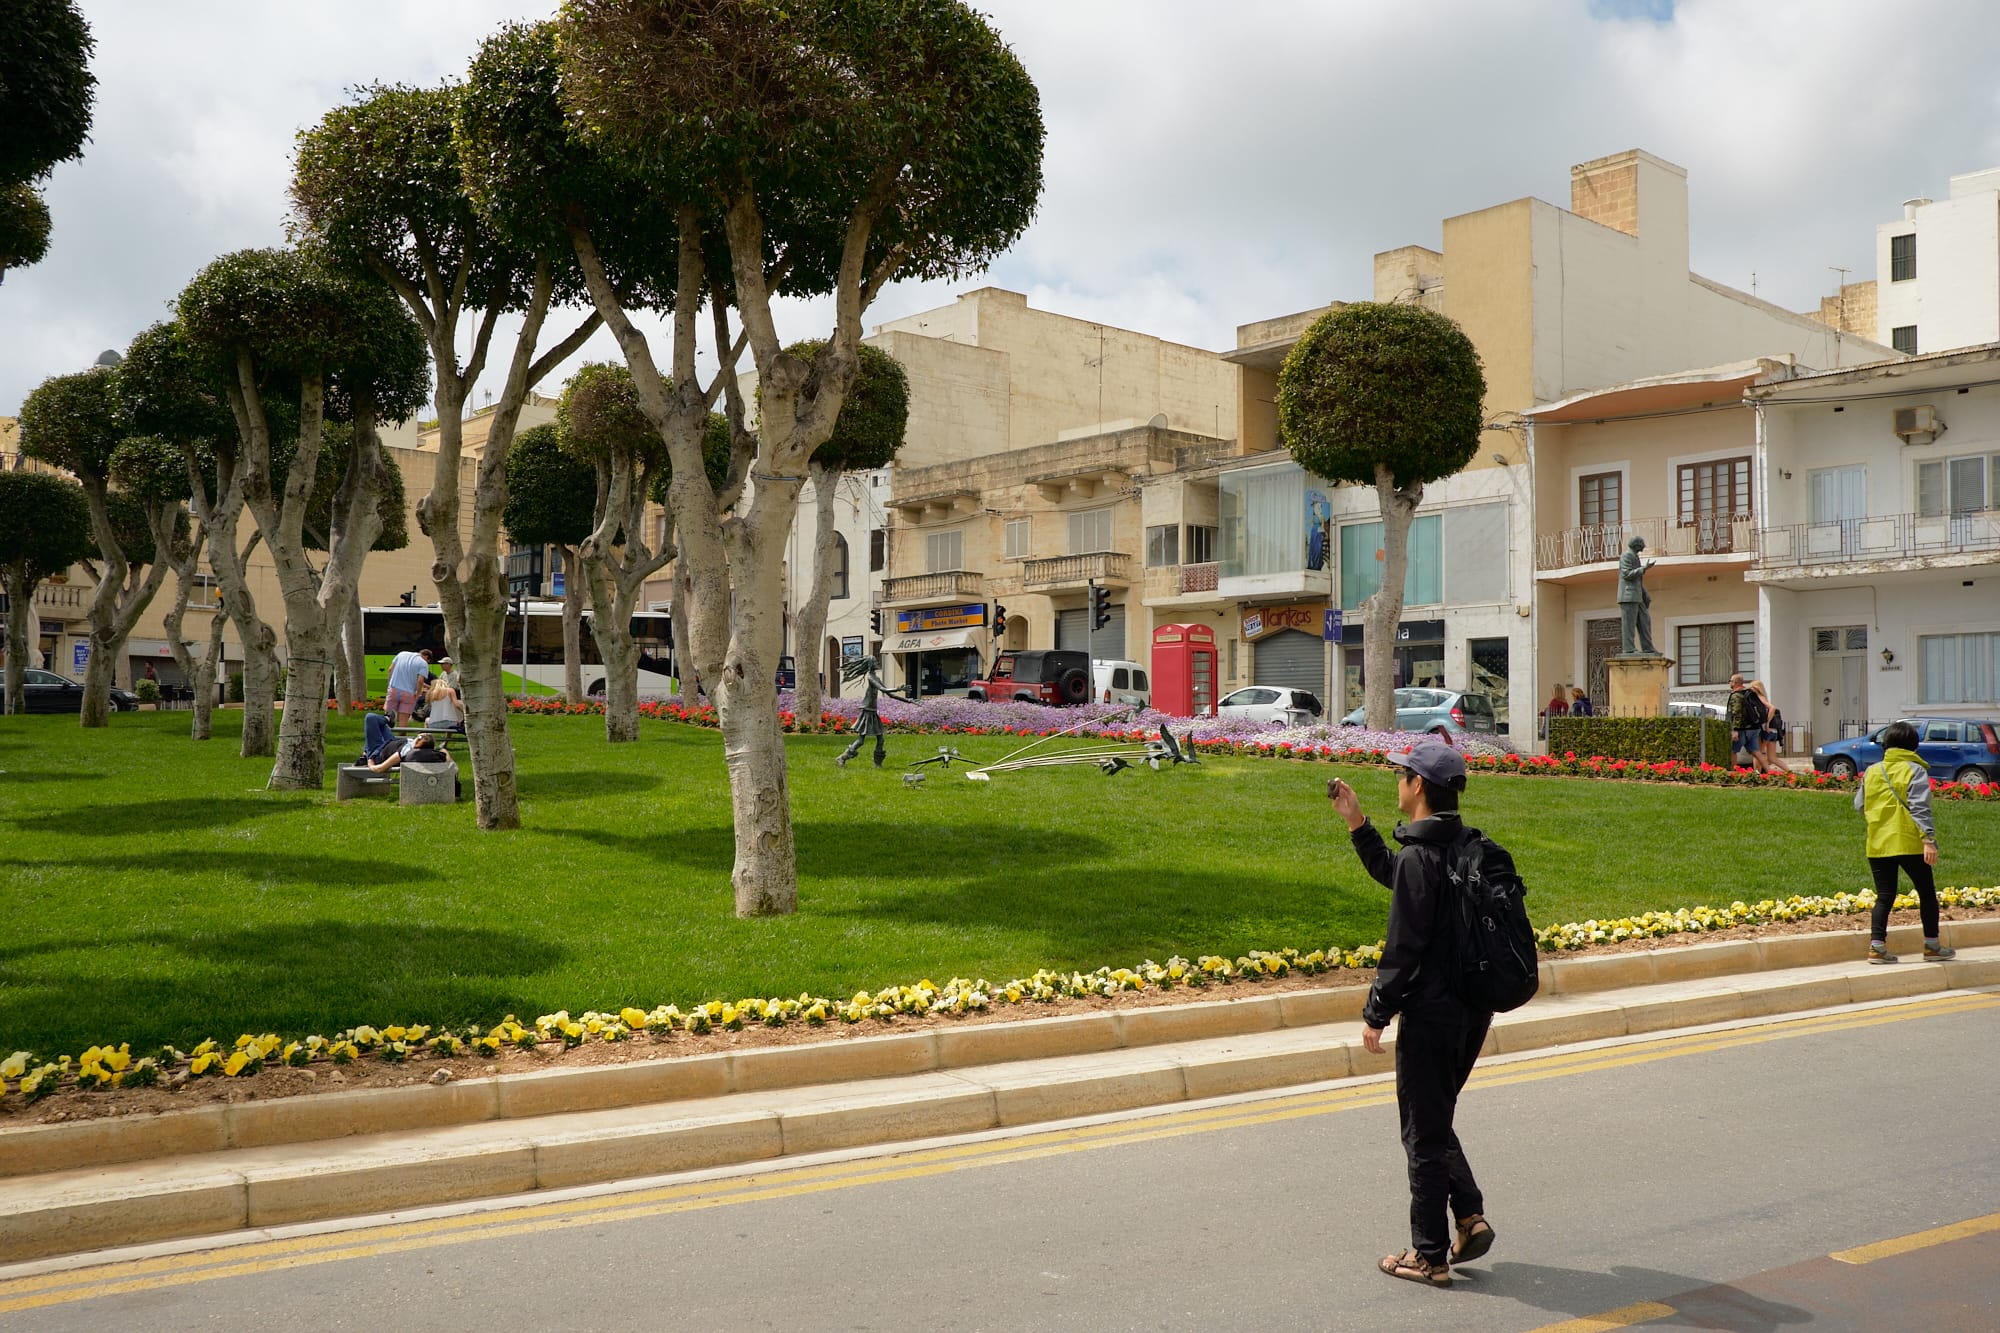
point(1259, 621)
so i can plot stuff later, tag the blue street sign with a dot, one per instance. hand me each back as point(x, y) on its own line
point(80, 655)
point(1332, 632)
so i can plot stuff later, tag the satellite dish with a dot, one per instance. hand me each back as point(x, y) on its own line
point(1159, 421)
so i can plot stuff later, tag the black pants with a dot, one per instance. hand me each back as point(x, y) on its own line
point(1434, 1057)
point(1884, 869)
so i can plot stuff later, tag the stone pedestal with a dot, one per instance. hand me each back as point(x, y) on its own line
point(1638, 685)
point(427, 784)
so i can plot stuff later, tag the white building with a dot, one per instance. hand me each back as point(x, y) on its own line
point(1878, 555)
point(1937, 269)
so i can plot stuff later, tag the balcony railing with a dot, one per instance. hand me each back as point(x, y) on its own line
point(1198, 578)
point(1075, 570)
point(929, 587)
point(1593, 543)
point(1887, 537)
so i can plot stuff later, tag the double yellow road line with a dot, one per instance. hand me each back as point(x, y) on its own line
point(272, 1256)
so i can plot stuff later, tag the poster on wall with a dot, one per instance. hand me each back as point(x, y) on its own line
point(79, 656)
point(851, 648)
point(1319, 527)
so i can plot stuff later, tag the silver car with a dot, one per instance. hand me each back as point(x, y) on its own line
point(1443, 713)
point(1271, 703)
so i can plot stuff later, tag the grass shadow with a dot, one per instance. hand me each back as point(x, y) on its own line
point(924, 853)
point(210, 864)
point(152, 817)
point(24, 776)
point(586, 784)
point(309, 976)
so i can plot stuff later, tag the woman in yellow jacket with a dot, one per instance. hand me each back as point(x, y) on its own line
point(1895, 799)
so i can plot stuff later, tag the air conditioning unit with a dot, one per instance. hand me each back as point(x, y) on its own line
point(1912, 422)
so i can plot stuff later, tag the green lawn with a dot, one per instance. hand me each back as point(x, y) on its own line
point(154, 891)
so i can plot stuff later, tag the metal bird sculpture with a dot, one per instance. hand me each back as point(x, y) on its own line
point(1111, 757)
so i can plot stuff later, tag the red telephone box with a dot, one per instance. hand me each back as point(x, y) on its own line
point(1184, 670)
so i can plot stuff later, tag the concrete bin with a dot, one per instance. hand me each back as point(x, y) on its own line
point(427, 784)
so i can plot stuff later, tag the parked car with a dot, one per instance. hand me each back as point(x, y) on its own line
point(1113, 681)
point(47, 692)
point(1443, 713)
point(1963, 749)
point(788, 674)
point(1692, 708)
point(1036, 676)
point(1271, 703)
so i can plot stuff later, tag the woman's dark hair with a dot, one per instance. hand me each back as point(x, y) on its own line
point(1901, 735)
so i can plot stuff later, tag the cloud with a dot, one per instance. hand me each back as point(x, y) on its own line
point(1207, 165)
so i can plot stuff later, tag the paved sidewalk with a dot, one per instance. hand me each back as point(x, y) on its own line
point(81, 1186)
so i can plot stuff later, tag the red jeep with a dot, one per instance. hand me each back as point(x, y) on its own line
point(1037, 677)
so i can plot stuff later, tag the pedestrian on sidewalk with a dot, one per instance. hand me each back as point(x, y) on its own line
point(1437, 1036)
point(1895, 800)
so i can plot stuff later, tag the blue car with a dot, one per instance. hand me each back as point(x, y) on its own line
point(1959, 749)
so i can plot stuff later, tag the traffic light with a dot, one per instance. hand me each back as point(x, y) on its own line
point(1100, 606)
point(875, 622)
point(999, 620)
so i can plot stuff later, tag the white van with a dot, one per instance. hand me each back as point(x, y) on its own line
point(1119, 682)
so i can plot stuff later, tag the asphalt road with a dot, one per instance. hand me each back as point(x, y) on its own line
point(1744, 1180)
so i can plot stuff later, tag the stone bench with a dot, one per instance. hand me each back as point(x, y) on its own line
point(413, 783)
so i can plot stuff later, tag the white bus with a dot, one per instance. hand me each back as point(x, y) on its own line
point(388, 630)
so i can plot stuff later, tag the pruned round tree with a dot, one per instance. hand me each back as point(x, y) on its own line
point(44, 529)
point(46, 91)
point(601, 422)
point(552, 501)
point(285, 322)
point(1389, 396)
point(867, 435)
point(172, 391)
point(76, 422)
point(706, 158)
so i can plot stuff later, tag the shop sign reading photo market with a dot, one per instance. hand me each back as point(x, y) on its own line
point(938, 647)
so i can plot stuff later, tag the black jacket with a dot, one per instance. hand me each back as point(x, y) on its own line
point(1414, 976)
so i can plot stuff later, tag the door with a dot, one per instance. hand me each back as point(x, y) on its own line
point(1838, 500)
point(1600, 511)
point(1601, 642)
point(1073, 632)
point(1713, 495)
point(1839, 683)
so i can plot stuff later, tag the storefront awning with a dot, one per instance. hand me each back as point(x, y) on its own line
point(935, 641)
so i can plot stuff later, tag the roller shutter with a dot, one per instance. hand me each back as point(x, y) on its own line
point(1290, 658)
point(1073, 632)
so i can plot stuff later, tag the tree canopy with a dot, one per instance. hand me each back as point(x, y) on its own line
point(168, 390)
point(75, 422)
point(599, 418)
point(46, 87)
point(1377, 384)
point(551, 492)
point(24, 226)
point(44, 523)
point(873, 416)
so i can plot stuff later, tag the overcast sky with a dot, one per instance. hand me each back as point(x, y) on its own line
point(1208, 164)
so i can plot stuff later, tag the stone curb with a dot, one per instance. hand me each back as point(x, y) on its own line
point(202, 1192)
point(36, 1149)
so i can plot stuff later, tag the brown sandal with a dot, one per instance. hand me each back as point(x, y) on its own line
point(1413, 1267)
point(1475, 1238)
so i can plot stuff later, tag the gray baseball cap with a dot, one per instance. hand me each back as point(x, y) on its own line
point(1434, 761)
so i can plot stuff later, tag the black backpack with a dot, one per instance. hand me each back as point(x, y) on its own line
point(1491, 938)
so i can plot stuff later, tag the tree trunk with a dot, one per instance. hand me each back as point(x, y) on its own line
point(687, 676)
point(260, 690)
point(19, 612)
point(1385, 608)
point(812, 616)
point(202, 726)
point(176, 617)
point(765, 873)
point(353, 657)
point(301, 757)
point(572, 626)
point(611, 625)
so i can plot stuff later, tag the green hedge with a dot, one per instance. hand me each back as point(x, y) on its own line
point(1649, 740)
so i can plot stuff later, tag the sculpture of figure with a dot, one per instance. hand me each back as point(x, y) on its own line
point(870, 721)
point(1635, 629)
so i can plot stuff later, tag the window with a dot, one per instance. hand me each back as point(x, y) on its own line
point(1958, 668)
point(1163, 545)
point(1904, 339)
point(944, 551)
point(878, 550)
point(202, 594)
point(1958, 485)
point(1475, 554)
point(1599, 500)
point(1903, 257)
point(1017, 531)
point(1199, 545)
point(839, 567)
point(1264, 524)
point(1710, 654)
point(1089, 531)
point(1712, 495)
point(1361, 573)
